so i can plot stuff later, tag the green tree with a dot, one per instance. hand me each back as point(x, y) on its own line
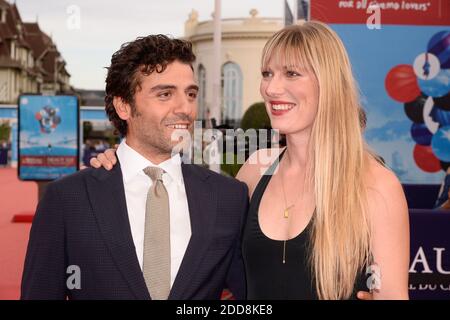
point(230, 169)
point(5, 131)
point(256, 117)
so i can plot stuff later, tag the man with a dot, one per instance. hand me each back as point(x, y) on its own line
point(152, 227)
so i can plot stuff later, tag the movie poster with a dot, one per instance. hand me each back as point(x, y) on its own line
point(400, 53)
point(48, 136)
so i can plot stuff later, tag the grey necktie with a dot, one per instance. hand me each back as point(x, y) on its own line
point(156, 262)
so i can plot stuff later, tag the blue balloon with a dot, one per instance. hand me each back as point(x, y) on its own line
point(443, 102)
point(438, 86)
point(420, 134)
point(440, 144)
point(439, 45)
point(440, 116)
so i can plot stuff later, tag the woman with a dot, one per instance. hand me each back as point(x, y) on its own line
point(326, 211)
point(330, 201)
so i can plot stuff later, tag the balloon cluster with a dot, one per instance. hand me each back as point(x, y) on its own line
point(48, 119)
point(424, 89)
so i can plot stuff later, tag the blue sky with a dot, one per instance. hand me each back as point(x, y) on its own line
point(105, 25)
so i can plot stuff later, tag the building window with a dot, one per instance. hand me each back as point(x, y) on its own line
point(202, 108)
point(13, 50)
point(19, 28)
point(232, 92)
point(30, 60)
point(3, 15)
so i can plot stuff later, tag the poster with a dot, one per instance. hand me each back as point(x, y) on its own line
point(400, 55)
point(48, 136)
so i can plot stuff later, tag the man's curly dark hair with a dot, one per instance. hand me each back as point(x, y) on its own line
point(140, 57)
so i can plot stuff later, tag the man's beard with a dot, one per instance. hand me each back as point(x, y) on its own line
point(162, 144)
point(157, 140)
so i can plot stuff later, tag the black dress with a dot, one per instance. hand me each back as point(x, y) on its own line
point(267, 276)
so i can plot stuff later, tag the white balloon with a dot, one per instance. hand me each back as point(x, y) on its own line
point(434, 66)
point(431, 125)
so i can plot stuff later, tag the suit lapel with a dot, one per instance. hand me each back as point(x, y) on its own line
point(202, 202)
point(107, 197)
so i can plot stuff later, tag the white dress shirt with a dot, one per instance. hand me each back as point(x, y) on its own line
point(137, 184)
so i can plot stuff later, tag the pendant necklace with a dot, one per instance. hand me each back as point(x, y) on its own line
point(286, 211)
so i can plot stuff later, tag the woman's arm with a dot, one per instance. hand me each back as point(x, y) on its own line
point(390, 226)
point(107, 159)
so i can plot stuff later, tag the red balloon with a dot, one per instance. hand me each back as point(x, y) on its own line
point(425, 159)
point(401, 83)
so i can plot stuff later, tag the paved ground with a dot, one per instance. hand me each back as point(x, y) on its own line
point(16, 197)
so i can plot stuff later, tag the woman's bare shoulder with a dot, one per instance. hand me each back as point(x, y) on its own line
point(256, 165)
point(386, 199)
point(381, 179)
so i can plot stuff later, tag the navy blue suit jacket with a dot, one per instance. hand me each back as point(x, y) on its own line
point(83, 221)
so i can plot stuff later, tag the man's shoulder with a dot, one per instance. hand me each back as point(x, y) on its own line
point(217, 178)
point(78, 178)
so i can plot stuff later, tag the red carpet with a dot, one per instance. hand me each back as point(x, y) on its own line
point(23, 218)
point(18, 201)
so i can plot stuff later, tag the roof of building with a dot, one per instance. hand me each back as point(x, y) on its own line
point(247, 27)
point(28, 35)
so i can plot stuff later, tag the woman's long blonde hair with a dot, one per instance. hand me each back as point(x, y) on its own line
point(341, 233)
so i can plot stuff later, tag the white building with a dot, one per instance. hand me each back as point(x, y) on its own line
point(242, 42)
